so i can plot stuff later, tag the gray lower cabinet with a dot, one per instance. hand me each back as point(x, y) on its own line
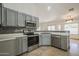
point(21, 45)
point(64, 42)
point(21, 19)
point(18, 45)
point(11, 17)
point(60, 41)
point(7, 47)
point(40, 40)
point(24, 44)
point(56, 41)
point(0, 14)
point(45, 39)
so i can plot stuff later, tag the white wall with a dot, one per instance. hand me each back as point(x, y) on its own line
point(44, 25)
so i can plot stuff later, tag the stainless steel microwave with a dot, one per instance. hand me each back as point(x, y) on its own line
point(30, 24)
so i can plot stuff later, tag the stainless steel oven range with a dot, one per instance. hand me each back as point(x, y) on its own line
point(33, 42)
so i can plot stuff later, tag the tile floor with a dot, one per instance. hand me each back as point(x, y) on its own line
point(51, 51)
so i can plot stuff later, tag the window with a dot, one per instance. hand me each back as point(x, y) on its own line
point(51, 27)
point(73, 28)
point(38, 28)
point(59, 27)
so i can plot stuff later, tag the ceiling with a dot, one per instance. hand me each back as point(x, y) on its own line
point(56, 12)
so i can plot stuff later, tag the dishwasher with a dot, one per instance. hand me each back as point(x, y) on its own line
point(45, 39)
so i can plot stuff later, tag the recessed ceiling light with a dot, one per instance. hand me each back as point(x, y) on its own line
point(49, 8)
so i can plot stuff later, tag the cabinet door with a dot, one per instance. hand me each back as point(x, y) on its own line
point(37, 21)
point(4, 16)
point(18, 46)
point(7, 48)
point(24, 44)
point(11, 18)
point(53, 41)
point(28, 18)
point(0, 14)
point(57, 41)
point(21, 19)
point(64, 42)
point(33, 19)
point(40, 40)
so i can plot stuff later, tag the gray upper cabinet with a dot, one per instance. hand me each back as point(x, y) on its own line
point(0, 14)
point(37, 21)
point(28, 18)
point(11, 17)
point(4, 16)
point(21, 19)
point(33, 19)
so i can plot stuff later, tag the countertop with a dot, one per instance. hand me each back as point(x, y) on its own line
point(4, 37)
point(31, 35)
point(57, 33)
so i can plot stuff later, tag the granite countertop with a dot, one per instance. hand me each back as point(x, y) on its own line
point(64, 34)
point(4, 37)
point(31, 35)
point(61, 34)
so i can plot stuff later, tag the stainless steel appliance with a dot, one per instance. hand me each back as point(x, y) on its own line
point(30, 24)
point(33, 42)
point(45, 39)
